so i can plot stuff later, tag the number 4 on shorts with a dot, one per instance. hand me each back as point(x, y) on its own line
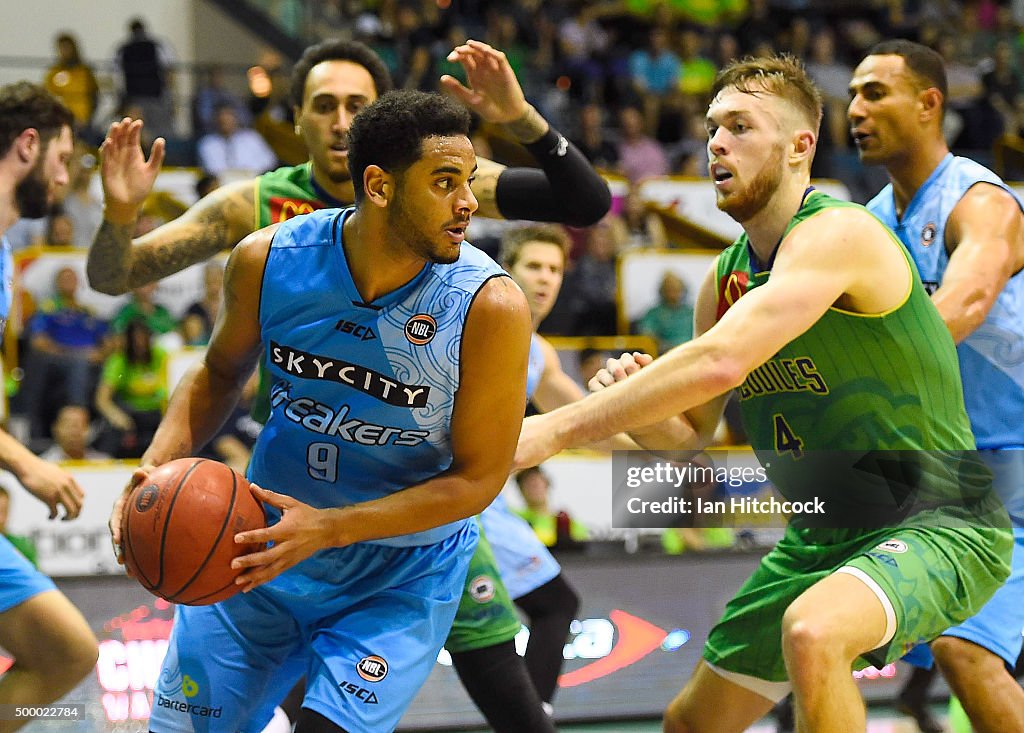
point(786, 441)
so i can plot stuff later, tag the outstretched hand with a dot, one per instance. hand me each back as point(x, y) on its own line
point(494, 92)
point(126, 174)
point(301, 531)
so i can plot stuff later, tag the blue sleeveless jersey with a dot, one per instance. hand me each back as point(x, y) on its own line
point(534, 367)
point(7, 284)
point(361, 394)
point(991, 358)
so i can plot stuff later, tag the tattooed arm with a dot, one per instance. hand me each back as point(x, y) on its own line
point(116, 263)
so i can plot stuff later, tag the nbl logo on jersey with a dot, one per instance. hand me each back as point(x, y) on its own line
point(420, 329)
point(373, 668)
point(928, 234)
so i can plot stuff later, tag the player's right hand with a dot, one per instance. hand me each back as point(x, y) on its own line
point(126, 174)
point(139, 475)
point(617, 370)
point(55, 487)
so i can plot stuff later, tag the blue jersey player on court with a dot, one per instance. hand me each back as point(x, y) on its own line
point(963, 227)
point(377, 449)
point(50, 641)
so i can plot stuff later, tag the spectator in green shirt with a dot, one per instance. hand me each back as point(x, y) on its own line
point(132, 393)
point(555, 529)
point(142, 306)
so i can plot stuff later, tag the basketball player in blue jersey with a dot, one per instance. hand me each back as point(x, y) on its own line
point(52, 644)
point(377, 450)
point(331, 83)
point(963, 227)
point(535, 256)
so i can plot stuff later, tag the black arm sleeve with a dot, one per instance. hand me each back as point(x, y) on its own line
point(566, 189)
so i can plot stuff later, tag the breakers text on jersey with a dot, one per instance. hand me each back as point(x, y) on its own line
point(313, 366)
point(335, 422)
point(784, 375)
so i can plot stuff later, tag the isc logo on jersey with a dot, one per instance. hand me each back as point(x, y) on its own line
point(363, 333)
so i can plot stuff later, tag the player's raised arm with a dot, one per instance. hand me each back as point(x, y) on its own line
point(565, 189)
point(806, 281)
point(117, 263)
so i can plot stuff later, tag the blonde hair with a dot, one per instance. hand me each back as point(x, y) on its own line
point(781, 75)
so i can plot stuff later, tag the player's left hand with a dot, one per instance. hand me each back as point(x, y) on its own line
point(494, 92)
point(536, 443)
point(302, 531)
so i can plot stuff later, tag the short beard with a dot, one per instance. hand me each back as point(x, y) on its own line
point(402, 225)
point(744, 206)
point(32, 195)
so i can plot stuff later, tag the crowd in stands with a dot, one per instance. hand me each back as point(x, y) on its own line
point(626, 80)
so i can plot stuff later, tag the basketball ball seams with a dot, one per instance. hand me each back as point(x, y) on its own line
point(213, 547)
point(128, 550)
point(197, 600)
point(170, 510)
point(181, 523)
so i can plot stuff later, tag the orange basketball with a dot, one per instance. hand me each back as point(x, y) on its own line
point(178, 530)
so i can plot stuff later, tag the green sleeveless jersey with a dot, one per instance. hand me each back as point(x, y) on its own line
point(286, 192)
point(852, 386)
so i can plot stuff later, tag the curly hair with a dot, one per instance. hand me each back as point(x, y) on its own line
point(390, 132)
point(25, 106)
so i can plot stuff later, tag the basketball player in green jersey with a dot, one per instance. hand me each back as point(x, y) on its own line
point(331, 83)
point(817, 316)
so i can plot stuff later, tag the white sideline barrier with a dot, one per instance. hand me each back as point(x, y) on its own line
point(581, 485)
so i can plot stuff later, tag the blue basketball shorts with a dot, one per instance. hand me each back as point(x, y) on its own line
point(999, 625)
point(363, 623)
point(524, 563)
point(19, 579)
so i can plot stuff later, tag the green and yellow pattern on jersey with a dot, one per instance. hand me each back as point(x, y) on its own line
point(858, 391)
point(284, 193)
point(281, 194)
